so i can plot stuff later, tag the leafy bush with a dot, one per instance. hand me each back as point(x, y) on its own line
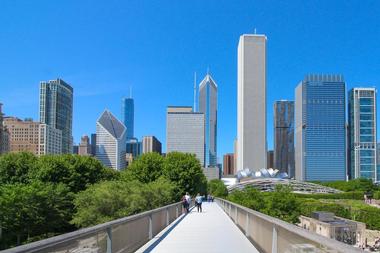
point(217, 188)
point(360, 184)
point(358, 195)
point(110, 200)
point(35, 209)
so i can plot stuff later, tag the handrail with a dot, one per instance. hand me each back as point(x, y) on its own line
point(279, 224)
point(105, 227)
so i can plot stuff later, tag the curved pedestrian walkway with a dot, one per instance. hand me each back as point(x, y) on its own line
point(209, 231)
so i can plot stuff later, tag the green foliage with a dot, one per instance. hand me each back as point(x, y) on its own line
point(311, 205)
point(359, 195)
point(217, 188)
point(249, 197)
point(360, 184)
point(147, 168)
point(77, 172)
point(376, 195)
point(184, 170)
point(29, 210)
point(15, 167)
point(115, 199)
point(283, 204)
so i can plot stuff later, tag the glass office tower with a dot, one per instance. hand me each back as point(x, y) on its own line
point(362, 133)
point(128, 116)
point(208, 105)
point(284, 136)
point(320, 128)
point(56, 109)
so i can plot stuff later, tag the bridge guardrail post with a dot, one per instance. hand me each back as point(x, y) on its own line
point(167, 216)
point(109, 240)
point(150, 232)
point(247, 224)
point(176, 211)
point(236, 215)
point(274, 239)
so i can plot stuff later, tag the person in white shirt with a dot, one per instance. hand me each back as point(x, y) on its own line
point(198, 202)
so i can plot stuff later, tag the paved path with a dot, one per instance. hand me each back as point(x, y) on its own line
point(209, 231)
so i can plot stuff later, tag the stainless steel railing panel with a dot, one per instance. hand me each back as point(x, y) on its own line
point(122, 235)
point(271, 235)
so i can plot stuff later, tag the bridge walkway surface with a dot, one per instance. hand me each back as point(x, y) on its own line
point(209, 231)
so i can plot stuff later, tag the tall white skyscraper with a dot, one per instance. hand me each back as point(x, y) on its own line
point(185, 131)
point(252, 119)
point(111, 141)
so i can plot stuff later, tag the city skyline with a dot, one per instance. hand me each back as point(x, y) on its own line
point(100, 84)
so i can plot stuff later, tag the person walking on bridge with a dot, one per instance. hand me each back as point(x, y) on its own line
point(186, 199)
point(198, 202)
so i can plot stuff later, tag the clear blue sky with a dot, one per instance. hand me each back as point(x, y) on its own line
point(103, 47)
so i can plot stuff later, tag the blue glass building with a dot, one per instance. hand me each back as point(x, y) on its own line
point(128, 116)
point(362, 133)
point(320, 128)
point(208, 105)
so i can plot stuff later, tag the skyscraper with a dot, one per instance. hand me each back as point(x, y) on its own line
point(362, 133)
point(320, 128)
point(128, 115)
point(284, 136)
point(251, 125)
point(56, 109)
point(208, 105)
point(110, 141)
point(151, 144)
point(185, 131)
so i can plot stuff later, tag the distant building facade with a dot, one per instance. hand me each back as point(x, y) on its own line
point(270, 159)
point(33, 137)
point(56, 109)
point(185, 131)
point(320, 128)
point(4, 135)
point(93, 144)
point(362, 133)
point(229, 164)
point(84, 146)
point(151, 144)
point(110, 141)
point(128, 115)
point(208, 105)
point(251, 104)
point(284, 137)
point(50, 140)
point(134, 147)
point(378, 161)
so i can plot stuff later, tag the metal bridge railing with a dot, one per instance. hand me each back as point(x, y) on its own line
point(269, 234)
point(122, 235)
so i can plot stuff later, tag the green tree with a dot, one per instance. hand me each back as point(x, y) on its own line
point(185, 171)
point(217, 188)
point(110, 200)
point(77, 172)
point(15, 167)
point(147, 168)
point(33, 209)
point(283, 204)
point(249, 197)
point(359, 184)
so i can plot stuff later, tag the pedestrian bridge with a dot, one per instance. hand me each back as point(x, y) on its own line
point(221, 227)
